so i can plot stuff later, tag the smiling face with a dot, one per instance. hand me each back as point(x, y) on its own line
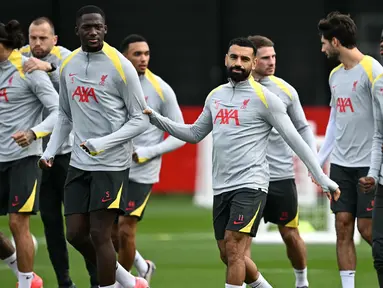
point(239, 62)
point(91, 30)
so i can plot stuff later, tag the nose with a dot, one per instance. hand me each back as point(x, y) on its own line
point(93, 31)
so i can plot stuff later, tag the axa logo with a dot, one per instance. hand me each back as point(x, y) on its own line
point(3, 94)
point(84, 93)
point(226, 116)
point(344, 104)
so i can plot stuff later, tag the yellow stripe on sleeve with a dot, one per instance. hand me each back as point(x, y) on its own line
point(67, 59)
point(258, 90)
point(335, 69)
point(376, 79)
point(16, 59)
point(113, 56)
point(153, 80)
point(281, 86)
point(56, 51)
point(367, 66)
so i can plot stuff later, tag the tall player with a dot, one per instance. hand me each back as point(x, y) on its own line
point(101, 99)
point(45, 55)
point(375, 178)
point(22, 99)
point(282, 200)
point(148, 148)
point(240, 114)
point(349, 135)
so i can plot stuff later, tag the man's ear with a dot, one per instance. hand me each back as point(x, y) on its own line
point(76, 30)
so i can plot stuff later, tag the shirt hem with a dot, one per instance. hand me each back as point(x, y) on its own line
point(233, 188)
point(97, 167)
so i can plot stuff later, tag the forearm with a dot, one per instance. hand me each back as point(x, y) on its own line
point(45, 127)
point(308, 136)
point(329, 140)
point(287, 130)
point(60, 133)
point(184, 132)
point(128, 131)
point(169, 144)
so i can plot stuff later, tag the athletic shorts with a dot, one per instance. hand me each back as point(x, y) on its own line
point(137, 199)
point(351, 199)
point(87, 191)
point(239, 210)
point(20, 186)
point(53, 179)
point(282, 203)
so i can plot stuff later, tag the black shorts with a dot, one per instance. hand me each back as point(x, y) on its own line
point(239, 210)
point(351, 199)
point(137, 199)
point(282, 204)
point(53, 179)
point(20, 186)
point(87, 191)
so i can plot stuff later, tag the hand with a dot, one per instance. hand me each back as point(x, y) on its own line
point(135, 157)
point(142, 155)
point(366, 184)
point(335, 195)
point(148, 111)
point(24, 138)
point(45, 164)
point(86, 149)
point(89, 148)
point(33, 64)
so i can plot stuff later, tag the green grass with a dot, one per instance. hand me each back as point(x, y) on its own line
point(178, 237)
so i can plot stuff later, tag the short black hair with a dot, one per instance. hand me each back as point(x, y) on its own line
point(11, 35)
point(243, 42)
point(89, 9)
point(339, 26)
point(132, 38)
point(42, 20)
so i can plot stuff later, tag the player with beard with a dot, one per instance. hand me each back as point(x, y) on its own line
point(349, 136)
point(46, 56)
point(240, 114)
point(102, 100)
point(282, 200)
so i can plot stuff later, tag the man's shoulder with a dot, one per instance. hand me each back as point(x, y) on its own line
point(25, 50)
point(68, 61)
point(336, 71)
point(284, 86)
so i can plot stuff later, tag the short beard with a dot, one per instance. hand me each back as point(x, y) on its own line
point(237, 77)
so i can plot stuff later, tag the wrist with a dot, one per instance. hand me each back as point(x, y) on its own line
point(32, 134)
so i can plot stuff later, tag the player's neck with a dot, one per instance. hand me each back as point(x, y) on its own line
point(257, 77)
point(4, 54)
point(350, 57)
